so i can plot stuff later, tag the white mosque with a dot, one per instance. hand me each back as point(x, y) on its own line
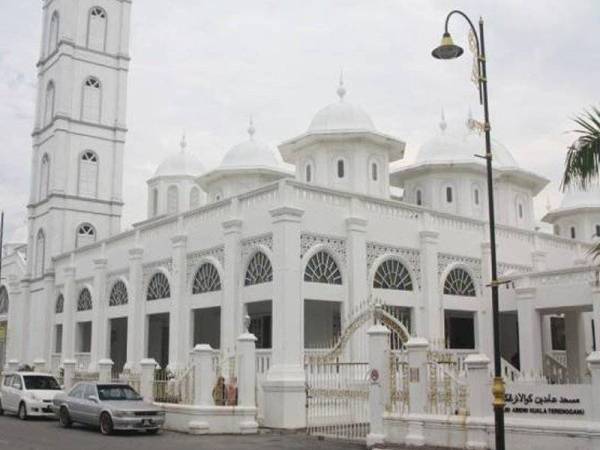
point(295, 250)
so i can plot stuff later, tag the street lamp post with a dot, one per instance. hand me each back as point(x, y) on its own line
point(449, 50)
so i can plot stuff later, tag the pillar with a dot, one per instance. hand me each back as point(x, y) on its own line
point(70, 303)
point(204, 378)
point(379, 388)
point(13, 365)
point(530, 332)
point(148, 366)
point(357, 279)
point(284, 389)
point(179, 317)
point(69, 373)
point(246, 364)
point(50, 295)
point(39, 365)
point(105, 366)
point(136, 339)
point(15, 318)
point(417, 389)
point(575, 340)
point(230, 308)
point(25, 338)
point(479, 401)
point(99, 348)
point(431, 323)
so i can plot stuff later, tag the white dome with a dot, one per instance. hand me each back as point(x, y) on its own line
point(250, 153)
point(180, 163)
point(577, 198)
point(459, 147)
point(341, 116)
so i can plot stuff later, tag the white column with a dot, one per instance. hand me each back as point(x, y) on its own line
point(204, 377)
point(230, 308)
point(14, 350)
point(136, 339)
point(69, 373)
point(595, 315)
point(284, 387)
point(99, 325)
point(246, 363)
point(575, 345)
point(417, 389)
point(69, 306)
point(25, 337)
point(357, 282)
point(530, 332)
point(105, 366)
point(50, 295)
point(431, 325)
point(179, 318)
point(148, 366)
point(479, 401)
point(39, 365)
point(379, 389)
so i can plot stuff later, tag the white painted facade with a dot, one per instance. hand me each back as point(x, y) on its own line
point(297, 251)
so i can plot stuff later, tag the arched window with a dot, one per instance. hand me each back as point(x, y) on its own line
point(459, 282)
point(158, 287)
point(322, 268)
point(154, 202)
point(59, 306)
point(207, 279)
point(84, 301)
point(44, 177)
point(340, 168)
point(419, 197)
point(573, 233)
point(118, 294)
point(96, 37)
point(308, 173)
point(172, 200)
point(374, 171)
point(392, 274)
point(88, 174)
point(449, 195)
point(259, 270)
point(476, 196)
point(86, 234)
point(91, 99)
point(40, 253)
point(194, 198)
point(49, 105)
point(53, 33)
point(520, 210)
point(3, 300)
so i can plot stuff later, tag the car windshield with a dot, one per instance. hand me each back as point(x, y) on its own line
point(40, 383)
point(114, 392)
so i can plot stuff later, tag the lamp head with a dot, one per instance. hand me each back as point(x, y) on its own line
point(447, 49)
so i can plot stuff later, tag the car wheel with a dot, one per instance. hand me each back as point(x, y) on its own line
point(152, 431)
point(22, 411)
point(65, 418)
point(106, 424)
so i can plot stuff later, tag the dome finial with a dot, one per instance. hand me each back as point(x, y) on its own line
point(341, 90)
point(251, 129)
point(443, 123)
point(183, 142)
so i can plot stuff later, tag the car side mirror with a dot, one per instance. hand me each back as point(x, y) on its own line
point(93, 398)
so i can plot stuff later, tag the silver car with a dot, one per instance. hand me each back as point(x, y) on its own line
point(111, 406)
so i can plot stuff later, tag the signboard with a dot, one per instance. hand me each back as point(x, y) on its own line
point(558, 401)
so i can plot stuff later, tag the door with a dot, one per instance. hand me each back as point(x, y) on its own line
point(15, 392)
point(75, 400)
point(90, 409)
point(7, 391)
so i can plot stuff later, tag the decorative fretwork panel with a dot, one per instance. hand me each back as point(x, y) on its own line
point(259, 270)
point(207, 279)
point(459, 282)
point(118, 294)
point(504, 268)
point(391, 274)
point(59, 306)
point(249, 245)
point(472, 264)
point(158, 287)
point(84, 301)
point(3, 300)
point(196, 258)
point(149, 269)
point(322, 268)
point(410, 256)
point(334, 244)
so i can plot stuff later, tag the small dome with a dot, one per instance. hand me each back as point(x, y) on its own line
point(180, 163)
point(250, 153)
point(577, 198)
point(460, 146)
point(341, 116)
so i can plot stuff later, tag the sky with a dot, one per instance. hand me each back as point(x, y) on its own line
point(205, 66)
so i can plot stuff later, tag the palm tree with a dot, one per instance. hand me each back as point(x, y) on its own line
point(582, 164)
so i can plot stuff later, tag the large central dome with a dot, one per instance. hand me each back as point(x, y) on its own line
point(341, 116)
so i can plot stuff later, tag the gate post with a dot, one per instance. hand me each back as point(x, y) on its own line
point(69, 374)
point(417, 389)
point(479, 401)
point(147, 379)
point(105, 370)
point(203, 374)
point(379, 378)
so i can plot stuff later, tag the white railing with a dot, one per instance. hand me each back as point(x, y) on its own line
point(82, 361)
point(174, 387)
point(263, 364)
point(554, 371)
point(399, 394)
point(509, 372)
point(447, 392)
point(263, 360)
point(560, 356)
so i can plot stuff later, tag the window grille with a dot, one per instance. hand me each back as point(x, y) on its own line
point(118, 294)
point(392, 274)
point(322, 268)
point(158, 287)
point(459, 282)
point(207, 279)
point(84, 301)
point(259, 270)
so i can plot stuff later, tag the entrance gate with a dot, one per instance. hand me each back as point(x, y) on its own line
point(337, 388)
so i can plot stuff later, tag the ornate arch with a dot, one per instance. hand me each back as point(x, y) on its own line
point(84, 299)
point(391, 272)
point(119, 293)
point(259, 268)
point(322, 267)
point(207, 278)
point(458, 280)
point(159, 286)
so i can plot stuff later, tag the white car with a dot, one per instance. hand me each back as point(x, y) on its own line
point(28, 394)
